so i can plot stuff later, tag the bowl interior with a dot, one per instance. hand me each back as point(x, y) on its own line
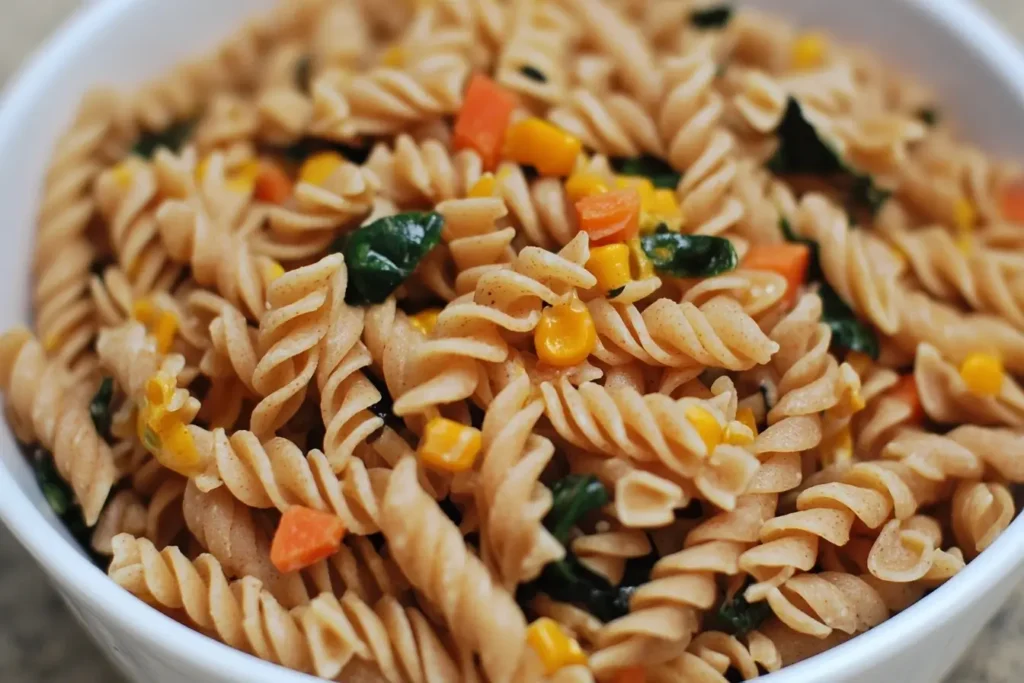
point(122, 42)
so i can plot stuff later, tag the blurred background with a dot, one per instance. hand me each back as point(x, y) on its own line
point(41, 642)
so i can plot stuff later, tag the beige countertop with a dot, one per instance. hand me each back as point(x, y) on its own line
point(41, 643)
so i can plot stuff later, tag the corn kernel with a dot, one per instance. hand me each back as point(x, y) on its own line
point(144, 311)
point(554, 647)
point(565, 335)
point(580, 185)
point(484, 187)
point(809, 50)
point(123, 173)
point(838, 448)
point(243, 179)
point(642, 265)
point(426, 320)
point(272, 270)
point(983, 374)
point(319, 167)
point(547, 148)
point(610, 265)
point(393, 57)
point(159, 389)
point(964, 215)
point(706, 425)
point(166, 328)
point(663, 207)
point(178, 451)
point(643, 186)
point(746, 416)
point(739, 437)
point(449, 446)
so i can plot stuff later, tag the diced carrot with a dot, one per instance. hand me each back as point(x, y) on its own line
point(1013, 201)
point(610, 217)
point(631, 674)
point(788, 260)
point(305, 537)
point(272, 184)
point(484, 118)
point(905, 390)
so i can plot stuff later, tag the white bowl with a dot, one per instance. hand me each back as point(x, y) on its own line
point(948, 43)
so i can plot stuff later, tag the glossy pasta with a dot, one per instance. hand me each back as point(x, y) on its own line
point(508, 341)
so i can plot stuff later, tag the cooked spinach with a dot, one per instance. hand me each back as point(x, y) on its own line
point(62, 501)
point(657, 170)
point(573, 497)
point(100, 407)
point(738, 617)
point(304, 73)
point(711, 17)
point(929, 116)
point(847, 331)
point(533, 73)
point(612, 293)
point(382, 255)
point(173, 138)
point(688, 255)
point(865, 193)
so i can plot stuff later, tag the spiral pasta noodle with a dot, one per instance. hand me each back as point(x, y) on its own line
point(946, 397)
point(615, 126)
point(413, 173)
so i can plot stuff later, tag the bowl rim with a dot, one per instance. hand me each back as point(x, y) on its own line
point(973, 27)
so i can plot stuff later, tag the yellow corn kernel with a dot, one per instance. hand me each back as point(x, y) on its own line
point(565, 335)
point(838, 448)
point(449, 446)
point(159, 389)
point(547, 148)
point(809, 50)
point(424, 321)
point(201, 168)
point(483, 187)
point(983, 374)
point(964, 215)
point(166, 328)
point(554, 647)
point(243, 179)
point(737, 437)
point(123, 173)
point(706, 425)
point(580, 185)
point(319, 167)
point(643, 186)
point(145, 312)
point(178, 450)
point(663, 207)
point(394, 57)
point(610, 265)
point(642, 266)
point(272, 270)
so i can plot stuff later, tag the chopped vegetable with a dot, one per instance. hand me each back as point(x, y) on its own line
point(788, 260)
point(484, 187)
point(631, 674)
point(642, 266)
point(273, 185)
point(736, 436)
point(61, 500)
point(555, 649)
point(549, 149)
point(610, 265)
point(905, 390)
point(662, 209)
point(319, 167)
point(533, 73)
point(983, 374)
point(304, 73)
point(847, 331)
point(173, 138)
point(706, 425)
point(688, 255)
point(449, 446)
point(272, 271)
point(298, 152)
point(382, 255)
point(929, 116)
point(658, 171)
point(738, 617)
point(100, 405)
point(582, 185)
point(809, 50)
point(716, 16)
point(864, 192)
point(1013, 201)
point(124, 172)
point(566, 334)
point(304, 537)
point(612, 293)
point(163, 325)
point(572, 498)
point(610, 217)
point(483, 120)
point(964, 215)
point(425, 320)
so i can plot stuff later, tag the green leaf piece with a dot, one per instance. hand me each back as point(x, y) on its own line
point(646, 166)
point(682, 255)
point(847, 331)
point(173, 138)
point(717, 16)
point(738, 617)
point(99, 407)
point(573, 497)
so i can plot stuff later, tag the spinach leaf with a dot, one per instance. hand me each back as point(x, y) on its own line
point(382, 255)
point(99, 407)
point(173, 138)
point(801, 149)
point(659, 172)
point(711, 17)
point(738, 617)
point(304, 73)
point(573, 497)
point(864, 192)
point(688, 255)
point(569, 581)
point(612, 293)
point(847, 331)
point(62, 501)
point(533, 73)
point(929, 116)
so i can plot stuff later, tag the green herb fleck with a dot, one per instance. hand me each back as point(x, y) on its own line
point(612, 293)
point(573, 497)
point(711, 17)
point(738, 617)
point(304, 73)
point(659, 172)
point(382, 255)
point(173, 138)
point(929, 116)
point(801, 149)
point(867, 194)
point(847, 331)
point(99, 407)
point(533, 73)
point(688, 255)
